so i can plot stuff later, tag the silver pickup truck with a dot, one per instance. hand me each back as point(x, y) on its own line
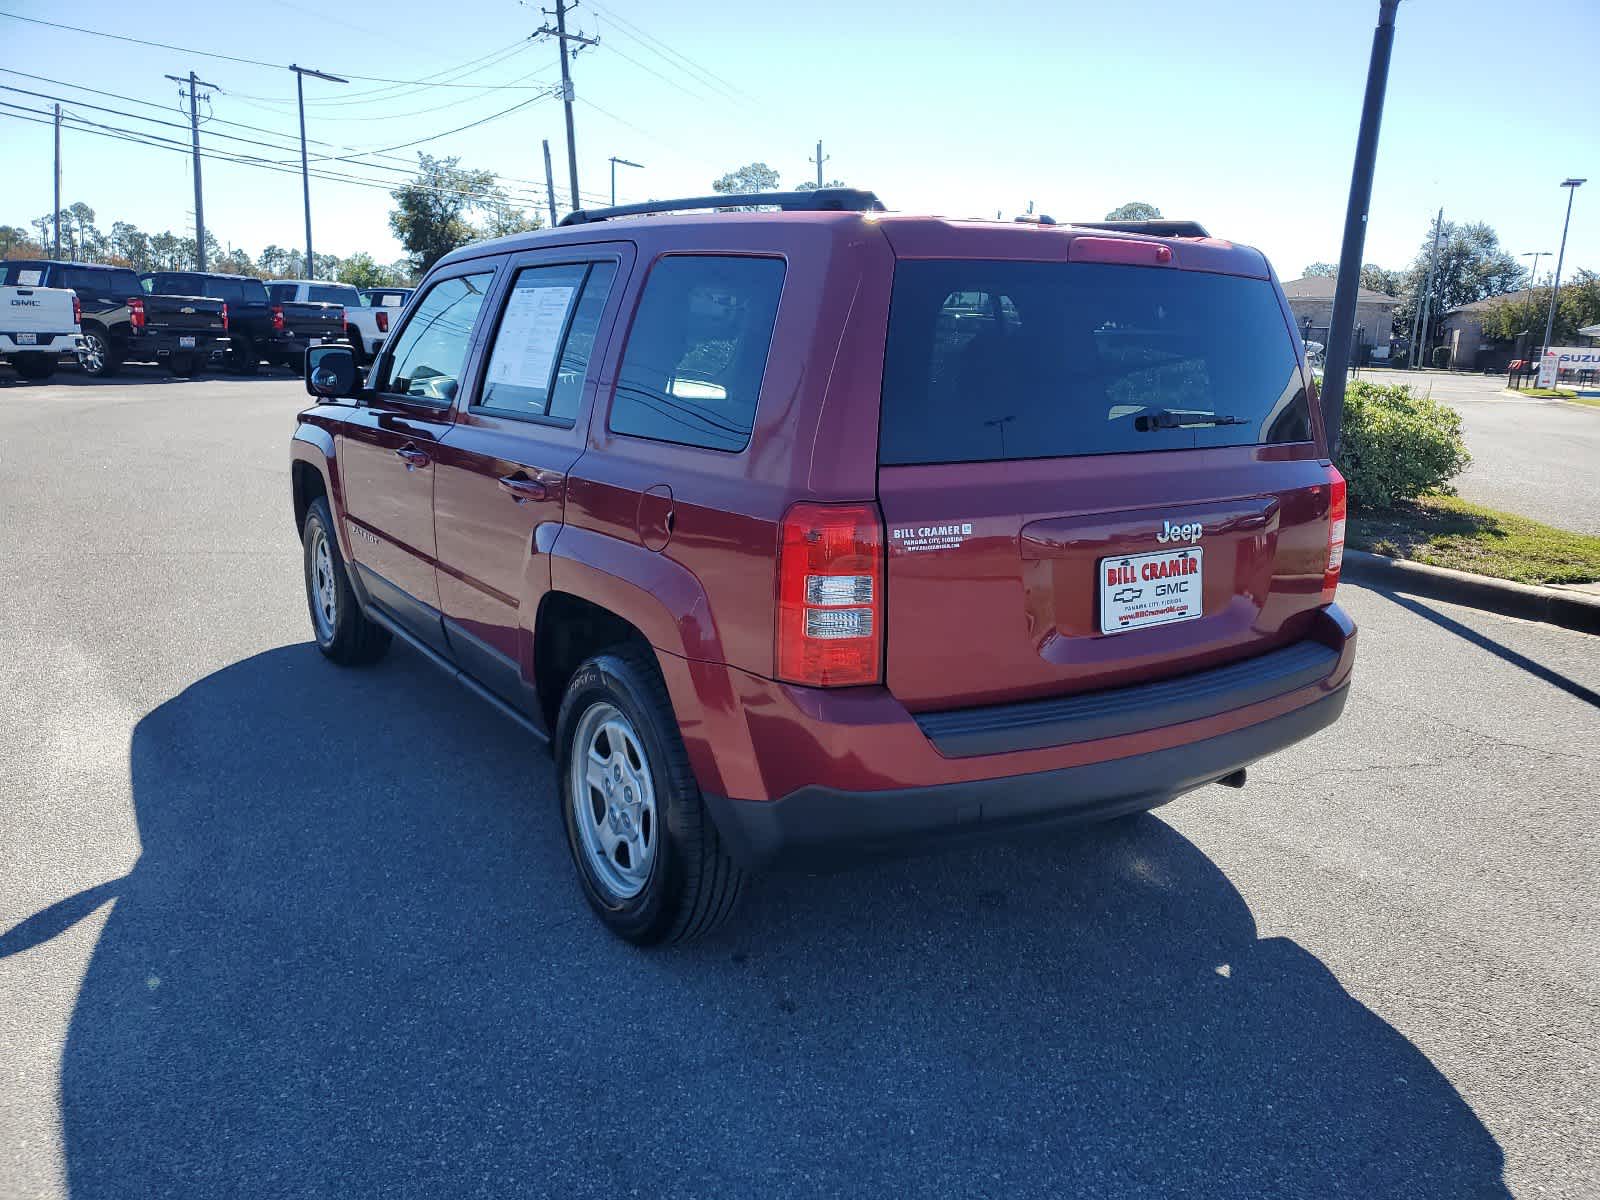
point(37, 326)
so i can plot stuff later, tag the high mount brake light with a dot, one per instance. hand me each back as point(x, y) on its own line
point(1126, 251)
point(830, 595)
point(1338, 507)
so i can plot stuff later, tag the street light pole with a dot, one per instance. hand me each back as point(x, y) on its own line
point(1337, 361)
point(300, 74)
point(1572, 186)
point(615, 163)
point(1533, 275)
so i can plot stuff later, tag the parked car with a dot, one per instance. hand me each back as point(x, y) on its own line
point(120, 323)
point(37, 324)
point(363, 328)
point(380, 309)
point(262, 329)
point(791, 564)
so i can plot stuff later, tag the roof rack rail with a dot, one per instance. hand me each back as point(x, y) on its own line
point(818, 200)
point(1158, 228)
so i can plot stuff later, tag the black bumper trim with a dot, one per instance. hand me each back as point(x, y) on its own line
point(818, 826)
point(1088, 716)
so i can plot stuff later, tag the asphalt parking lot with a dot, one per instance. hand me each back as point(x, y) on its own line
point(270, 928)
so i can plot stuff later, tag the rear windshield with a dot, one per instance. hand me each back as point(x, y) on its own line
point(1009, 360)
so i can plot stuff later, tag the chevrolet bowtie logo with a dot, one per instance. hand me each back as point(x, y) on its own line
point(187, 308)
point(1127, 594)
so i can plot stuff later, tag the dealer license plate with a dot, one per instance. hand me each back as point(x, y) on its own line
point(185, 343)
point(1149, 589)
point(27, 339)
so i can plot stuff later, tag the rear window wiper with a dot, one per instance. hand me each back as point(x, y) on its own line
point(1166, 418)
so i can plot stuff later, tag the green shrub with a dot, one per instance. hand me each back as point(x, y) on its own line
point(1441, 356)
point(1397, 445)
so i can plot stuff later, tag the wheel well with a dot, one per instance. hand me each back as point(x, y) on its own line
point(308, 485)
point(569, 630)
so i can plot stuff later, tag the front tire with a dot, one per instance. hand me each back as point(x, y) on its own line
point(99, 357)
point(342, 630)
point(34, 366)
point(649, 859)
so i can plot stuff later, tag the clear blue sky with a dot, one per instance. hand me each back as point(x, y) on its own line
point(1239, 113)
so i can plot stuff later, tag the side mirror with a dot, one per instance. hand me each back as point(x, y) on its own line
point(331, 372)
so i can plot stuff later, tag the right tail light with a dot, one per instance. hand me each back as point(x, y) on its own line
point(277, 318)
point(1338, 508)
point(383, 321)
point(136, 312)
point(830, 595)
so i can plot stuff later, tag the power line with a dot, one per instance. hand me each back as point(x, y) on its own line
point(668, 54)
point(250, 62)
point(383, 94)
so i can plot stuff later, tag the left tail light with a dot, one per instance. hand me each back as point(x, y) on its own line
point(383, 321)
point(136, 313)
point(830, 595)
point(1338, 508)
point(277, 318)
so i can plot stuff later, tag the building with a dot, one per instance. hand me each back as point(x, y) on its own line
point(1462, 331)
point(1311, 300)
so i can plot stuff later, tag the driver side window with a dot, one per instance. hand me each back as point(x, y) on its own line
point(431, 351)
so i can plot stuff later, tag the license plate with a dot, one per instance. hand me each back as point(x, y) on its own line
point(1149, 589)
point(313, 341)
point(27, 339)
point(186, 343)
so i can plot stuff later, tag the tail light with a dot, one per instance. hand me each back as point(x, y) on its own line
point(344, 319)
point(830, 595)
point(277, 318)
point(224, 316)
point(1338, 507)
point(136, 313)
point(383, 321)
point(77, 309)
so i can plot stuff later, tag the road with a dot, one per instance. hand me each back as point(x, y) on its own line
point(270, 928)
point(1539, 458)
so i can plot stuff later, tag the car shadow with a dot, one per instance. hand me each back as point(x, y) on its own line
point(139, 375)
point(351, 961)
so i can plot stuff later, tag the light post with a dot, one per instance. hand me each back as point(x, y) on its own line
point(300, 74)
point(1533, 273)
point(615, 163)
point(1572, 186)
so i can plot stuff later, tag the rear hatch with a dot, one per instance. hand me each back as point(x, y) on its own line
point(1094, 471)
point(184, 314)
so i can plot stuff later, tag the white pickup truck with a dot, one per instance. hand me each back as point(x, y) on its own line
point(37, 326)
point(367, 328)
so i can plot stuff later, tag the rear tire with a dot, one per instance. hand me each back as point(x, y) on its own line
point(243, 358)
point(649, 858)
point(99, 357)
point(342, 630)
point(184, 366)
point(34, 366)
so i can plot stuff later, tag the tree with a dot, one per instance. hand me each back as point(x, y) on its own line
point(1134, 210)
point(752, 177)
point(1471, 267)
point(503, 218)
point(16, 242)
point(362, 271)
point(131, 243)
point(1380, 279)
point(430, 213)
point(1320, 270)
point(1525, 312)
point(811, 187)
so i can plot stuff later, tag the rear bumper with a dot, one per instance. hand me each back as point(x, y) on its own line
point(46, 343)
point(293, 345)
point(160, 346)
point(807, 774)
point(819, 826)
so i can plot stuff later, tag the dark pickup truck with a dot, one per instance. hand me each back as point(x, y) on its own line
point(260, 327)
point(121, 323)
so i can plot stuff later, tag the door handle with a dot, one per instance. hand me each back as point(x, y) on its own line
point(413, 458)
point(522, 489)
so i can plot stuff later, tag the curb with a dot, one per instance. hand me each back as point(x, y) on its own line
point(1553, 606)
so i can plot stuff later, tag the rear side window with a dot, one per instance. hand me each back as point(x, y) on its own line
point(21, 275)
point(692, 369)
point(281, 293)
point(989, 361)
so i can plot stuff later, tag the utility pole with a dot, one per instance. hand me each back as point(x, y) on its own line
point(1423, 316)
point(1346, 289)
point(615, 163)
point(1417, 327)
point(195, 84)
point(56, 213)
point(1572, 186)
point(819, 160)
point(300, 74)
point(549, 184)
point(563, 37)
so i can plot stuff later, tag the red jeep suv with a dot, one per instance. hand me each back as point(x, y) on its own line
point(819, 530)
